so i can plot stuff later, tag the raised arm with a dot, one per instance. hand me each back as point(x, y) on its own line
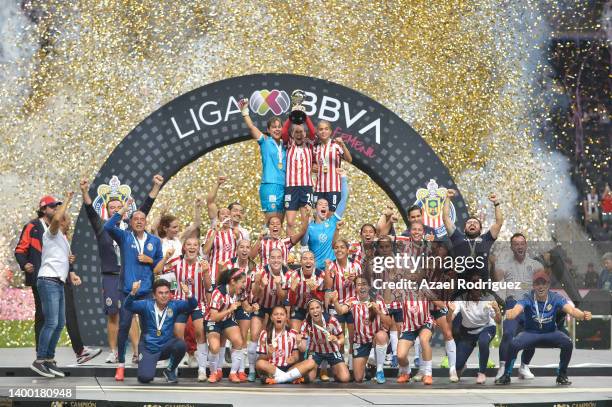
point(111, 225)
point(146, 206)
point(346, 154)
point(384, 224)
point(94, 219)
point(211, 199)
point(210, 238)
point(243, 104)
point(448, 223)
point(192, 229)
point(297, 236)
point(59, 214)
point(499, 217)
point(344, 195)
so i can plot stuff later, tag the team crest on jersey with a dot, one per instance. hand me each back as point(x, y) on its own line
point(431, 200)
point(114, 190)
point(170, 312)
point(109, 301)
point(150, 246)
point(322, 237)
point(548, 307)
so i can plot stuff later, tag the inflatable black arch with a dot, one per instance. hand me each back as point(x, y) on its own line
point(383, 146)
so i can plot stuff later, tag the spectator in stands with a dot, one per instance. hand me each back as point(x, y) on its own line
point(591, 277)
point(605, 277)
point(606, 207)
point(591, 207)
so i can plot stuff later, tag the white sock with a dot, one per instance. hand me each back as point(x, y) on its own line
point(213, 360)
point(243, 360)
point(202, 356)
point(381, 352)
point(417, 348)
point(221, 357)
point(252, 354)
point(426, 367)
point(451, 352)
point(350, 362)
point(279, 376)
point(293, 374)
point(404, 369)
point(236, 360)
point(324, 365)
point(393, 336)
point(372, 354)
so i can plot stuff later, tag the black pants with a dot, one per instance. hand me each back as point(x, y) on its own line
point(72, 325)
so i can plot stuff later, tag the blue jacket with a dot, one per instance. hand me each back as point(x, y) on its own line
point(131, 269)
point(146, 309)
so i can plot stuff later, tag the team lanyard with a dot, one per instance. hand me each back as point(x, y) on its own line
point(279, 148)
point(325, 158)
point(139, 248)
point(537, 309)
point(159, 323)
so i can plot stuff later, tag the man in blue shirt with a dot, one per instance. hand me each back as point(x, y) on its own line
point(158, 316)
point(605, 277)
point(273, 162)
point(320, 234)
point(540, 307)
point(140, 252)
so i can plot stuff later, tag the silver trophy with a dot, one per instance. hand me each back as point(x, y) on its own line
point(298, 111)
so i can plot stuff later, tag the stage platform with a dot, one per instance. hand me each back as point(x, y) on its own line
point(590, 372)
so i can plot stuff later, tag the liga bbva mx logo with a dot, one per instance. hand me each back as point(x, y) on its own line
point(113, 191)
point(263, 101)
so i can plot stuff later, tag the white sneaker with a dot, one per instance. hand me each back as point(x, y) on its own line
point(481, 378)
point(185, 361)
point(112, 357)
point(388, 358)
point(202, 375)
point(192, 361)
point(525, 373)
point(162, 363)
point(418, 377)
point(501, 370)
point(452, 375)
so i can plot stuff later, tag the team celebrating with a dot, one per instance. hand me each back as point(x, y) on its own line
point(297, 303)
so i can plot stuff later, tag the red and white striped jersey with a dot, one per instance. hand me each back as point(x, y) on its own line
point(340, 276)
point(359, 253)
point(439, 276)
point(269, 297)
point(328, 158)
point(302, 293)
point(249, 271)
point(223, 249)
point(221, 300)
point(176, 256)
point(190, 272)
point(395, 296)
point(299, 164)
point(283, 344)
point(416, 311)
point(269, 243)
point(364, 328)
point(318, 341)
point(405, 245)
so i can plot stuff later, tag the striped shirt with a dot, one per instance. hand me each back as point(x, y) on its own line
point(283, 344)
point(328, 158)
point(300, 297)
point(416, 311)
point(364, 328)
point(318, 341)
point(222, 250)
point(360, 254)
point(269, 243)
point(299, 164)
point(346, 288)
point(191, 275)
point(269, 296)
point(221, 300)
point(249, 271)
point(176, 256)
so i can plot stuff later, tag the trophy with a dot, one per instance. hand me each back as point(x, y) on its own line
point(298, 113)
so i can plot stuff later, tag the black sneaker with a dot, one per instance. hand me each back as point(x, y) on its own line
point(563, 380)
point(52, 367)
point(42, 369)
point(503, 379)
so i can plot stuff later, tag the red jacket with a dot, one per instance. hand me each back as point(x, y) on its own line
point(29, 248)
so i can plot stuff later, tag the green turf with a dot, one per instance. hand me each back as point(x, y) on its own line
point(20, 334)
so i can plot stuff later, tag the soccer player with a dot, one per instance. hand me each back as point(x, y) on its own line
point(158, 316)
point(235, 210)
point(221, 321)
point(140, 254)
point(321, 231)
point(518, 268)
point(323, 337)
point(273, 161)
point(371, 324)
point(472, 242)
point(195, 274)
point(278, 360)
point(363, 251)
point(304, 284)
point(220, 244)
point(328, 155)
point(540, 307)
point(268, 241)
point(479, 315)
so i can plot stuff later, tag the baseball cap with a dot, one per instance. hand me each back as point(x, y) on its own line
point(48, 200)
point(541, 275)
